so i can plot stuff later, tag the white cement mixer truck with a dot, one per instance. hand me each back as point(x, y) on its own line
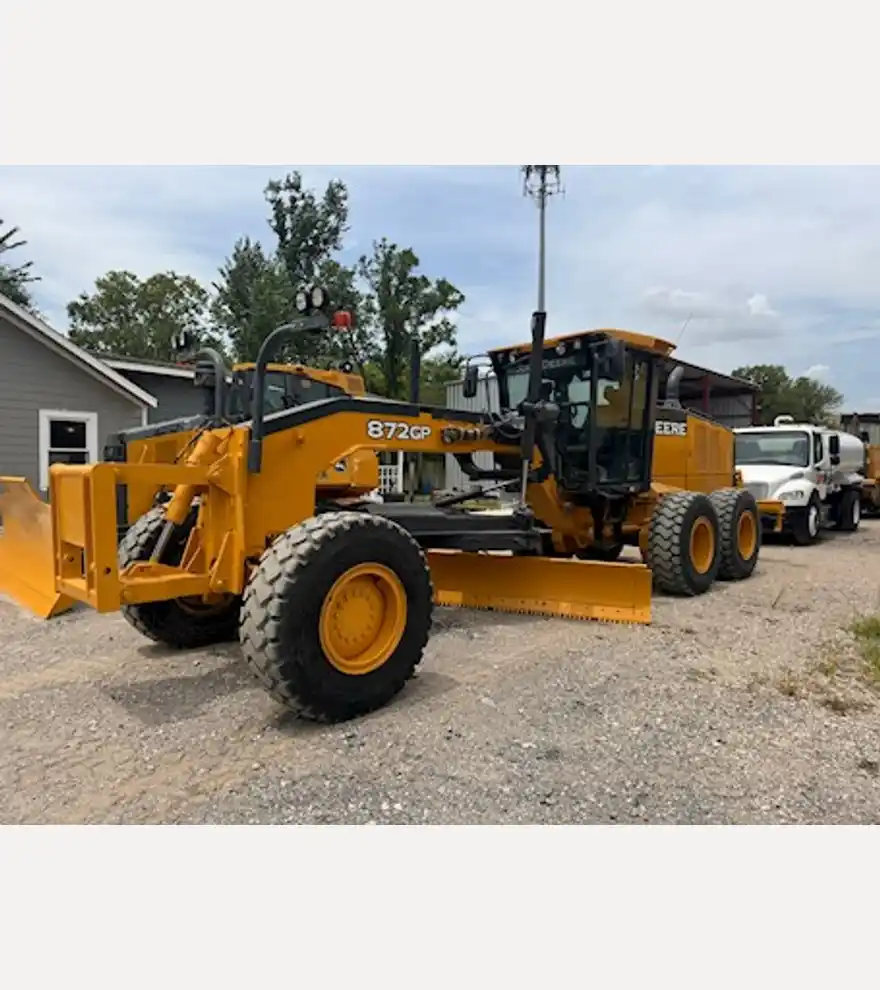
point(812, 470)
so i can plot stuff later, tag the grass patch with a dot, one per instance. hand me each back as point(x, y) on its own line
point(866, 633)
point(845, 677)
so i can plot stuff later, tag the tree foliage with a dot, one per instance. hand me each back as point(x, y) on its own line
point(139, 318)
point(391, 300)
point(255, 290)
point(15, 279)
point(252, 296)
point(309, 230)
point(806, 399)
point(400, 305)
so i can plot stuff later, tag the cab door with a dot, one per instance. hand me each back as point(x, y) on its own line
point(821, 465)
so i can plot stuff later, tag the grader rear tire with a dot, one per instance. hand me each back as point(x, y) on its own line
point(739, 527)
point(337, 614)
point(185, 624)
point(683, 543)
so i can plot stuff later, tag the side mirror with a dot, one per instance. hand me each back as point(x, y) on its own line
point(834, 448)
point(612, 359)
point(471, 381)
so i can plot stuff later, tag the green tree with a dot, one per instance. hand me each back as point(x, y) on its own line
point(139, 318)
point(806, 399)
point(15, 278)
point(308, 230)
point(252, 296)
point(437, 372)
point(255, 289)
point(401, 304)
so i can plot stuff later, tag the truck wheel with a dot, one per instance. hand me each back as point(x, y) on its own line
point(683, 552)
point(849, 511)
point(805, 525)
point(739, 528)
point(184, 623)
point(337, 614)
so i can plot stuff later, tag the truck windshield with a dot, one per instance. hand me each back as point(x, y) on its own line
point(785, 447)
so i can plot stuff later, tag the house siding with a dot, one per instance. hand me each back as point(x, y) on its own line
point(34, 377)
point(176, 397)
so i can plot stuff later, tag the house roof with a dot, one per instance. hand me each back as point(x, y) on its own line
point(145, 366)
point(63, 346)
point(694, 375)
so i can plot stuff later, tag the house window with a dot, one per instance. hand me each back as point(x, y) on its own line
point(66, 438)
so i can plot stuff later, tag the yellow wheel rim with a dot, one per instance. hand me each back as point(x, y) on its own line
point(363, 618)
point(702, 545)
point(746, 535)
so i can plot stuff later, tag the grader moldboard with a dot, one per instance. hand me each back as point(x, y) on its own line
point(332, 603)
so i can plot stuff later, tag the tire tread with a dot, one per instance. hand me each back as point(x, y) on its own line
point(282, 571)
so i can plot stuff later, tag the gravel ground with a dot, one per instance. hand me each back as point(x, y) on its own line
point(743, 706)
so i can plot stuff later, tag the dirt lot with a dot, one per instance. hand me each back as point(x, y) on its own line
point(751, 704)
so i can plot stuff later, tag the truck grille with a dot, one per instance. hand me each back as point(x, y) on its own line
point(758, 488)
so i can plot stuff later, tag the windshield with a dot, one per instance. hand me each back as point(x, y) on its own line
point(614, 449)
point(283, 391)
point(571, 388)
point(790, 448)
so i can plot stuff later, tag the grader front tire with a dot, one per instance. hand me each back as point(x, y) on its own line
point(683, 544)
point(181, 623)
point(739, 527)
point(337, 615)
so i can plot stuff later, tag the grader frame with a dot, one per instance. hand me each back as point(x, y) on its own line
point(332, 606)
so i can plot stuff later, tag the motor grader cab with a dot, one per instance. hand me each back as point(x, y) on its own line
point(657, 482)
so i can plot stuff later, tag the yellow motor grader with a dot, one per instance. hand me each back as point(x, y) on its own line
point(332, 602)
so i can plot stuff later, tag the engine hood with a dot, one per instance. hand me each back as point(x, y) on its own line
point(773, 475)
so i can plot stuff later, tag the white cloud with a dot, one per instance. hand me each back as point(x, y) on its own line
point(710, 319)
point(817, 371)
point(759, 306)
point(772, 265)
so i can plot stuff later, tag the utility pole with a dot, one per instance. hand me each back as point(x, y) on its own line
point(540, 182)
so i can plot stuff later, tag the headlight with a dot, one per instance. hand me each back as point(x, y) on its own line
point(793, 493)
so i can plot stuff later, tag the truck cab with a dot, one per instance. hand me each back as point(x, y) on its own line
point(811, 469)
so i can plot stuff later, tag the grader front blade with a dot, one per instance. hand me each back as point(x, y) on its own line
point(567, 588)
point(27, 553)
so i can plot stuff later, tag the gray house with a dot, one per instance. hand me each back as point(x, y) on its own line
point(170, 384)
point(58, 403)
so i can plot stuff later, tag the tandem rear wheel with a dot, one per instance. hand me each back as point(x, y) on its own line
point(739, 526)
point(848, 511)
point(337, 614)
point(683, 549)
